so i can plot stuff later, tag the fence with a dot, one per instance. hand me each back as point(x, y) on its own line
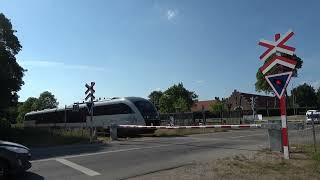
point(228, 117)
point(304, 136)
point(196, 118)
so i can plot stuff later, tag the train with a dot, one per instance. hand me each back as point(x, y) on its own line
point(120, 111)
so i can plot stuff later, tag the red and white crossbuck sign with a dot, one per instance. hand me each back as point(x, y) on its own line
point(278, 60)
point(278, 46)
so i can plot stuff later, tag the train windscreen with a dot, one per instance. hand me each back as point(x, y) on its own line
point(146, 109)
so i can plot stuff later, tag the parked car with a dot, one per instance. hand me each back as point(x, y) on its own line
point(14, 159)
point(313, 114)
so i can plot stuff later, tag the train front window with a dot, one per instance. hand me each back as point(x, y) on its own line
point(145, 108)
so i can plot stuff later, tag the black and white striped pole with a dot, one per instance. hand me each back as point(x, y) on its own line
point(89, 92)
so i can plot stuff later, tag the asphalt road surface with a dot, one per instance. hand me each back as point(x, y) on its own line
point(139, 156)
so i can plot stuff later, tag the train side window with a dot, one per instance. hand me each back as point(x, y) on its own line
point(112, 109)
point(124, 109)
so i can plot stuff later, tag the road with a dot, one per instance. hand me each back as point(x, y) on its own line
point(139, 156)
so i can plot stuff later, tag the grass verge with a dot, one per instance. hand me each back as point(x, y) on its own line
point(263, 165)
point(45, 137)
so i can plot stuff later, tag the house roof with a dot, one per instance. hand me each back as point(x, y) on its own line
point(202, 105)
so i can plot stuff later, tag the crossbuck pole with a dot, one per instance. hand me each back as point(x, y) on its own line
point(284, 129)
point(283, 113)
point(91, 119)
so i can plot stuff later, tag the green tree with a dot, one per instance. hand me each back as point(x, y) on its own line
point(154, 97)
point(11, 72)
point(181, 105)
point(46, 100)
point(318, 97)
point(27, 106)
point(305, 95)
point(176, 96)
point(261, 83)
point(217, 107)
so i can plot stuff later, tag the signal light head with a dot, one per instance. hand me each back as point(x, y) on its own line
point(278, 82)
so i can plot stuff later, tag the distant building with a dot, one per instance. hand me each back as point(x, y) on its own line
point(240, 100)
point(203, 105)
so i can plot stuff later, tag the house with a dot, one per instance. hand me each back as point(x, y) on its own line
point(203, 105)
point(240, 100)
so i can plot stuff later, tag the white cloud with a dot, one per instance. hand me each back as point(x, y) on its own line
point(171, 14)
point(315, 84)
point(53, 64)
point(200, 81)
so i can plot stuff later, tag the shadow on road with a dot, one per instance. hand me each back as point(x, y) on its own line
point(28, 176)
point(44, 153)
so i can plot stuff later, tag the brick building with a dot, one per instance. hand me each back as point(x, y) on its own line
point(242, 100)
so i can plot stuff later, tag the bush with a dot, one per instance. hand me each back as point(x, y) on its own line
point(4, 124)
point(5, 127)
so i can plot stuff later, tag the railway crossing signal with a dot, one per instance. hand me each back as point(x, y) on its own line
point(278, 60)
point(253, 101)
point(279, 82)
point(278, 46)
point(89, 107)
point(90, 91)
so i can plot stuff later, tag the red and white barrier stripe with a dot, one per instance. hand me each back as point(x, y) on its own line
point(194, 127)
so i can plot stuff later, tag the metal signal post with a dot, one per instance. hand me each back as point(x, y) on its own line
point(284, 127)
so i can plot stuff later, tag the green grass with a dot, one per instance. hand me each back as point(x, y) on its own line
point(316, 156)
point(45, 137)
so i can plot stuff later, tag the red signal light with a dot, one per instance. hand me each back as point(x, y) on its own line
point(278, 82)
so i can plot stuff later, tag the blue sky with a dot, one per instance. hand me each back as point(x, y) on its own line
point(131, 47)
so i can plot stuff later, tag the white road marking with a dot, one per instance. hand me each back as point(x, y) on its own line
point(140, 148)
point(75, 166)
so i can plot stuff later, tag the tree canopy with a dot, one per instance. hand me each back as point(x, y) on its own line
point(318, 97)
point(154, 97)
point(11, 72)
point(219, 106)
point(177, 98)
point(305, 95)
point(46, 100)
point(27, 106)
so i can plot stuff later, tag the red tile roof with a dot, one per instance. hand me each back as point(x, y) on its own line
point(205, 105)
